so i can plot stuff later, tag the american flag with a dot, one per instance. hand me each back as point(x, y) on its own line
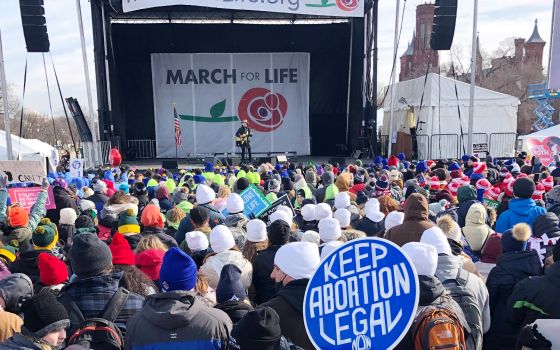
point(177, 127)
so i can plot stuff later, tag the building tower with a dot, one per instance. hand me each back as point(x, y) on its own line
point(534, 48)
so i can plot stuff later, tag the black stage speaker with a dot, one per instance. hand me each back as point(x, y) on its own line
point(170, 164)
point(443, 28)
point(34, 25)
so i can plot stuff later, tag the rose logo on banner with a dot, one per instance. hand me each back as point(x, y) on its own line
point(263, 109)
point(363, 296)
point(347, 5)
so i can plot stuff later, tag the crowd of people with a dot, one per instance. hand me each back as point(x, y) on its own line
point(156, 259)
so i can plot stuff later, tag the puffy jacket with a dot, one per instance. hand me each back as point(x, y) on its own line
point(214, 264)
point(415, 221)
point(177, 320)
point(215, 218)
point(265, 287)
point(510, 268)
point(475, 230)
point(328, 179)
point(21, 342)
point(545, 235)
point(520, 210)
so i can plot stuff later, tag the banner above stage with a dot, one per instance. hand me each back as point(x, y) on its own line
point(338, 8)
point(213, 92)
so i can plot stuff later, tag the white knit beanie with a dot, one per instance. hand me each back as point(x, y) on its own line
point(308, 212)
point(435, 237)
point(423, 256)
point(281, 215)
point(343, 216)
point(329, 230)
point(322, 211)
point(196, 241)
point(298, 260)
point(87, 205)
point(68, 216)
point(221, 239)
point(342, 200)
point(234, 203)
point(256, 231)
point(373, 211)
point(87, 192)
point(311, 237)
point(330, 247)
point(204, 194)
point(393, 219)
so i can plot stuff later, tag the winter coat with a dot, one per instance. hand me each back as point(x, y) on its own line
point(63, 198)
point(143, 200)
point(343, 184)
point(432, 292)
point(236, 224)
point(165, 205)
point(27, 263)
point(214, 264)
point(370, 227)
point(99, 199)
point(234, 309)
point(265, 287)
point(21, 342)
point(92, 294)
point(520, 210)
point(9, 324)
point(447, 269)
point(415, 221)
point(535, 298)
point(475, 230)
point(510, 268)
point(288, 303)
point(545, 235)
point(459, 213)
point(328, 179)
point(169, 241)
point(177, 320)
point(215, 218)
point(66, 234)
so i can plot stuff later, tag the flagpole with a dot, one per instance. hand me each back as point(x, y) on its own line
point(174, 109)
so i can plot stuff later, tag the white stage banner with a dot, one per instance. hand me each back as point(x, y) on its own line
point(339, 8)
point(213, 92)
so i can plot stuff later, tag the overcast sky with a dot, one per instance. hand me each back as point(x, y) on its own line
point(498, 20)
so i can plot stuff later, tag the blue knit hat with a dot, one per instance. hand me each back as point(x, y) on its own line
point(377, 160)
point(465, 158)
point(124, 187)
point(453, 166)
point(384, 161)
point(230, 287)
point(208, 167)
point(476, 177)
point(198, 179)
point(401, 156)
point(515, 240)
point(178, 271)
point(421, 167)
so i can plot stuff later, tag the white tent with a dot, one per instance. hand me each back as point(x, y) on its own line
point(544, 144)
point(26, 149)
point(443, 98)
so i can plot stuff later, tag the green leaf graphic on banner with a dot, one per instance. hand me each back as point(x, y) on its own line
point(218, 109)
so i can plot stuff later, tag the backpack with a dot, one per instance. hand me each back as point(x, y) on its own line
point(99, 333)
point(436, 327)
point(467, 301)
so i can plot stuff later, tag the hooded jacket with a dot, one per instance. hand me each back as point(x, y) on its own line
point(415, 221)
point(214, 217)
point(214, 264)
point(328, 179)
point(510, 268)
point(475, 230)
point(546, 233)
point(520, 210)
point(343, 184)
point(177, 320)
point(288, 303)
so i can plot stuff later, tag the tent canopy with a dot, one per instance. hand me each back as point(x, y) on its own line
point(27, 149)
point(552, 131)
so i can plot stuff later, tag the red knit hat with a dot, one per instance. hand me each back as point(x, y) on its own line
point(434, 183)
point(548, 183)
point(509, 178)
point(493, 193)
point(430, 163)
point(52, 271)
point(539, 191)
point(521, 175)
point(454, 186)
point(149, 261)
point(479, 168)
point(509, 189)
point(483, 184)
point(456, 174)
point(466, 180)
point(393, 161)
point(120, 249)
point(18, 217)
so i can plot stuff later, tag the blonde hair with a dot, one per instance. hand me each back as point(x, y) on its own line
point(150, 242)
point(223, 191)
point(175, 215)
point(251, 249)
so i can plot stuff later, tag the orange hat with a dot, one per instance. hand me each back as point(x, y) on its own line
point(18, 217)
point(52, 271)
point(151, 217)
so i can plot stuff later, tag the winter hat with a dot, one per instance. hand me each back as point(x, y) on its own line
point(456, 174)
point(45, 235)
point(445, 194)
point(18, 217)
point(89, 256)
point(87, 192)
point(86, 205)
point(382, 184)
point(504, 171)
point(453, 187)
point(8, 253)
point(121, 251)
point(273, 185)
point(196, 241)
point(84, 221)
point(234, 204)
point(256, 231)
point(68, 216)
point(515, 240)
point(342, 200)
point(329, 229)
point(454, 166)
point(124, 187)
point(523, 187)
point(393, 161)
point(43, 314)
point(466, 193)
point(322, 211)
point(204, 194)
point(258, 329)
point(479, 168)
point(515, 169)
point(423, 256)
point(483, 184)
point(14, 290)
point(178, 271)
point(149, 261)
point(539, 192)
point(421, 167)
point(509, 188)
point(52, 271)
point(99, 186)
point(393, 219)
point(128, 222)
point(298, 260)
point(434, 183)
point(493, 193)
point(221, 239)
point(151, 216)
point(328, 248)
point(230, 287)
point(548, 183)
point(278, 232)
point(311, 236)
point(281, 215)
point(465, 158)
point(308, 212)
point(343, 217)
point(450, 228)
point(373, 210)
point(199, 179)
point(435, 237)
point(60, 182)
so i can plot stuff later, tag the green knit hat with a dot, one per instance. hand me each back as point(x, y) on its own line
point(465, 193)
point(8, 253)
point(128, 222)
point(45, 235)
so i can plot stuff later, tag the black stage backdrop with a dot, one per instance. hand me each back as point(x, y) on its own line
point(131, 78)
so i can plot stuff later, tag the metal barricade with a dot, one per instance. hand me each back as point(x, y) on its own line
point(142, 149)
point(423, 143)
point(477, 138)
point(105, 148)
point(502, 144)
point(444, 146)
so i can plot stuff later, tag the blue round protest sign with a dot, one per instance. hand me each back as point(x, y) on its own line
point(363, 296)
